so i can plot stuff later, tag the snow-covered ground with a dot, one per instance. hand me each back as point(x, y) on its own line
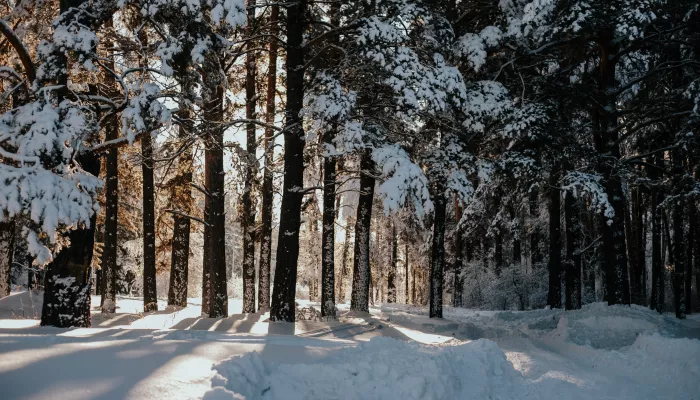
point(395, 352)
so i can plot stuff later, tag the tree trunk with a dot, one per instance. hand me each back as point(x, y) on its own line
point(678, 246)
point(328, 234)
point(554, 287)
point(437, 260)
point(406, 269)
point(344, 270)
point(688, 277)
point(536, 255)
point(67, 277)
point(457, 300)
point(359, 299)
point(573, 261)
point(214, 288)
point(614, 243)
point(657, 268)
point(393, 268)
point(182, 199)
point(248, 213)
point(267, 188)
point(7, 247)
point(109, 251)
point(150, 297)
point(284, 289)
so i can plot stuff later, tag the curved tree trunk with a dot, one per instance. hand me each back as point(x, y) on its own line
point(267, 189)
point(282, 307)
point(361, 273)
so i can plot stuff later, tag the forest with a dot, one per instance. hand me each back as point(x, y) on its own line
point(510, 155)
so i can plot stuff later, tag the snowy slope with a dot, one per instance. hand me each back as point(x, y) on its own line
point(395, 352)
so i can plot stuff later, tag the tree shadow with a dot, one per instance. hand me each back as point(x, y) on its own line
point(90, 372)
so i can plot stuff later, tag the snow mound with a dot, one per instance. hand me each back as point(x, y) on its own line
point(612, 327)
point(383, 368)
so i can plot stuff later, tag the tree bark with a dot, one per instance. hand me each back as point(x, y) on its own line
point(182, 199)
point(248, 213)
point(214, 288)
point(284, 288)
point(67, 278)
point(457, 300)
point(328, 234)
point(437, 260)
point(344, 270)
point(678, 246)
point(393, 268)
point(406, 269)
point(554, 266)
point(111, 226)
point(359, 300)
point(689, 256)
point(267, 188)
point(150, 297)
point(614, 242)
point(573, 261)
point(657, 268)
point(7, 247)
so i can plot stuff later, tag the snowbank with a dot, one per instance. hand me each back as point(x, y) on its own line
point(382, 368)
point(596, 325)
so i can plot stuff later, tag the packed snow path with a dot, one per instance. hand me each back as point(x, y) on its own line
point(395, 352)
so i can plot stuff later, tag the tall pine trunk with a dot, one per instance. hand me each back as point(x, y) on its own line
point(634, 245)
point(109, 251)
point(437, 260)
point(329, 204)
point(267, 188)
point(182, 200)
point(678, 244)
point(67, 277)
point(150, 295)
point(284, 288)
point(657, 269)
point(214, 293)
point(406, 270)
point(248, 213)
point(554, 266)
point(359, 300)
point(613, 229)
point(328, 233)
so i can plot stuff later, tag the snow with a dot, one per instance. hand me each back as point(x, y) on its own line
point(393, 352)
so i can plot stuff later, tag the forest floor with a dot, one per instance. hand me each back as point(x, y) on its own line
point(394, 352)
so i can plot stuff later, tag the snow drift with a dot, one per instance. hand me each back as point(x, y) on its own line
point(383, 368)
